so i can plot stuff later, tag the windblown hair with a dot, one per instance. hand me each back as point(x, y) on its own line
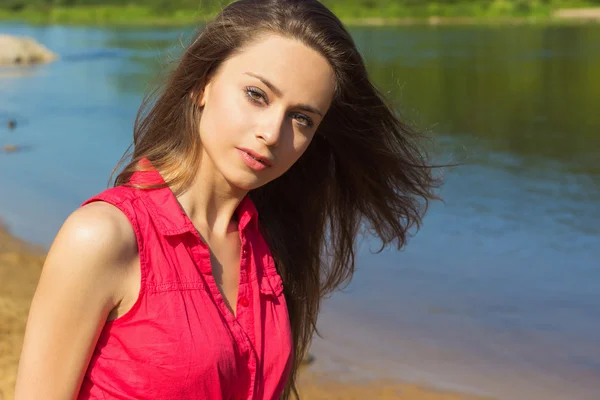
point(364, 171)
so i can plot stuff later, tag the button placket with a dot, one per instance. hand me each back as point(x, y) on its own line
point(243, 299)
point(245, 313)
point(244, 250)
point(247, 346)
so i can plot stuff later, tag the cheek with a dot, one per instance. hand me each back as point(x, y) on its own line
point(299, 146)
point(221, 119)
point(301, 143)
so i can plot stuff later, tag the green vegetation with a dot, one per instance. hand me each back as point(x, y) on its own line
point(189, 11)
point(452, 8)
point(104, 14)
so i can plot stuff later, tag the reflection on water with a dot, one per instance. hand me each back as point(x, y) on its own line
point(527, 91)
point(499, 292)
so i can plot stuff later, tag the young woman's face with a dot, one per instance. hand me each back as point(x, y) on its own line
point(261, 110)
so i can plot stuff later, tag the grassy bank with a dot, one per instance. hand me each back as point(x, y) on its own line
point(105, 15)
point(353, 12)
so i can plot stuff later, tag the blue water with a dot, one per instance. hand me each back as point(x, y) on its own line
point(499, 293)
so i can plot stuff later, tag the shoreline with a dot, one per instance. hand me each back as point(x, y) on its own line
point(20, 266)
point(136, 16)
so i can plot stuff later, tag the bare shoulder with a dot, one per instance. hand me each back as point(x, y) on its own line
point(95, 243)
point(96, 227)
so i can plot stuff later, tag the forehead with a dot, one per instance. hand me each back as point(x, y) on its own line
point(300, 72)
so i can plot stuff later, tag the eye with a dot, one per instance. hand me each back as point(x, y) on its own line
point(303, 119)
point(255, 95)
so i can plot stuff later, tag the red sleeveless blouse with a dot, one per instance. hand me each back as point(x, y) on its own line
point(179, 340)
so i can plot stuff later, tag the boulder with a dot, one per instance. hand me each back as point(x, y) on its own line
point(18, 50)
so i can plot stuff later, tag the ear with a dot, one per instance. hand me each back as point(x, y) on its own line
point(200, 98)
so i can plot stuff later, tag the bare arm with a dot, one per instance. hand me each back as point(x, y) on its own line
point(81, 282)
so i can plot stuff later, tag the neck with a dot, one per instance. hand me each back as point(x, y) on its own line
point(210, 203)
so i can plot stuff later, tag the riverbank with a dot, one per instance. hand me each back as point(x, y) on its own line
point(20, 266)
point(135, 15)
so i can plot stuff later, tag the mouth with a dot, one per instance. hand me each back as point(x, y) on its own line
point(257, 157)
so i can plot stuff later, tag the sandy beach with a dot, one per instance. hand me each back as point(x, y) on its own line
point(20, 266)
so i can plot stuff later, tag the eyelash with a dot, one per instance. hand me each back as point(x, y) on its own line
point(250, 91)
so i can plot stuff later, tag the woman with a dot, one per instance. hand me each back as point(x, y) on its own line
point(200, 274)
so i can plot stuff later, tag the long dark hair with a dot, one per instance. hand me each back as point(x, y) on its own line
point(364, 172)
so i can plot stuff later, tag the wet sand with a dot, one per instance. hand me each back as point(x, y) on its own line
point(20, 266)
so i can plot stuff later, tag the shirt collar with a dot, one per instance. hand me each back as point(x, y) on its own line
point(168, 215)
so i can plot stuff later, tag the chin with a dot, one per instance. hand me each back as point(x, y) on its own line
point(247, 183)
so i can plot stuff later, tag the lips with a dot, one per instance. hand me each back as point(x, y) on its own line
point(257, 157)
point(253, 162)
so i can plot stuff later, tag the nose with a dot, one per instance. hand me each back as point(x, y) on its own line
point(272, 130)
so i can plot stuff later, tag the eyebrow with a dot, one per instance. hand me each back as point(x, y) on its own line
point(278, 93)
